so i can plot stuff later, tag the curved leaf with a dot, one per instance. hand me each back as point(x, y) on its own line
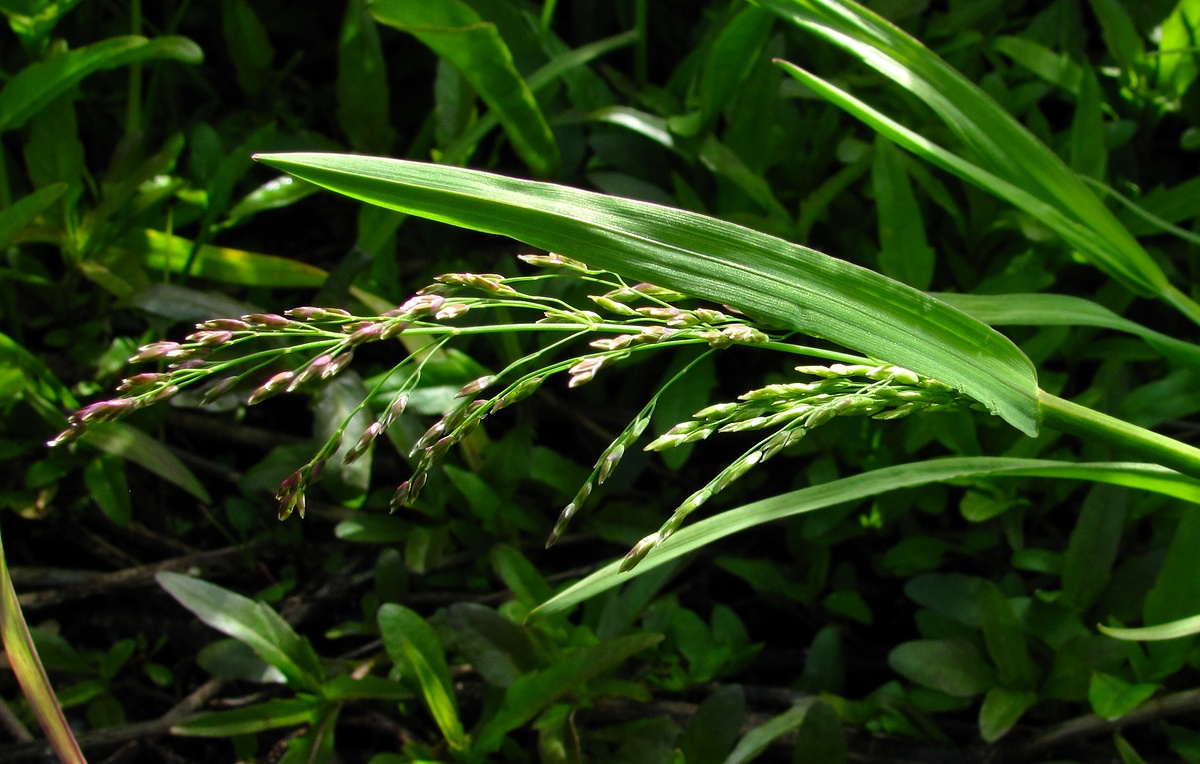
point(37, 85)
point(454, 31)
point(1000, 148)
point(783, 283)
point(693, 537)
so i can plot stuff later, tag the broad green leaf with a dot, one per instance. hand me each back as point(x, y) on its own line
point(1001, 709)
point(499, 649)
point(1121, 37)
point(727, 64)
point(254, 623)
point(857, 487)
point(820, 737)
point(165, 252)
point(1176, 65)
point(1005, 639)
point(1112, 697)
point(455, 32)
point(1065, 310)
point(128, 442)
point(248, 45)
point(1093, 546)
point(784, 283)
point(35, 86)
point(1005, 158)
point(362, 88)
point(1056, 68)
point(713, 730)
point(904, 252)
point(535, 691)
point(953, 666)
point(231, 659)
point(414, 647)
point(21, 213)
point(439, 697)
point(105, 480)
point(367, 528)
point(272, 714)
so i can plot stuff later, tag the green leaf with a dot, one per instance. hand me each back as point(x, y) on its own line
point(953, 666)
point(904, 252)
point(532, 693)
point(253, 623)
point(820, 737)
point(1093, 546)
point(857, 487)
point(1027, 309)
point(496, 647)
point(128, 442)
point(1112, 697)
point(248, 45)
point(165, 252)
point(31, 675)
point(1176, 66)
point(414, 647)
point(1185, 627)
point(1005, 639)
point(37, 85)
point(456, 33)
point(439, 697)
point(21, 213)
point(105, 479)
point(758, 739)
point(273, 714)
point(1056, 68)
point(784, 283)
point(363, 98)
point(734, 52)
point(713, 730)
point(1007, 159)
point(1001, 709)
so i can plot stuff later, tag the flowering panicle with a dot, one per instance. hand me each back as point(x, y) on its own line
point(880, 392)
point(267, 354)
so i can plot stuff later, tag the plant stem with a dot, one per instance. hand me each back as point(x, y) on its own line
point(1068, 417)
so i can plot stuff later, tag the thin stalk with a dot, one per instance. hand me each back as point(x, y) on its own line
point(1081, 421)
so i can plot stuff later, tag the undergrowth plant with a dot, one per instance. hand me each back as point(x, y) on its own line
point(616, 281)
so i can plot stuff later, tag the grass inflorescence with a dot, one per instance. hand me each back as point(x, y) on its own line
point(258, 356)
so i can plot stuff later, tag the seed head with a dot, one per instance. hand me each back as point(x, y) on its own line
point(224, 325)
point(272, 386)
point(210, 337)
point(272, 320)
point(364, 442)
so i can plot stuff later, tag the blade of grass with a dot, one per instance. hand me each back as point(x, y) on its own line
point(699, 534)
point(31, 675)
point(783, 283)
point(455, 32)
point(999, 145)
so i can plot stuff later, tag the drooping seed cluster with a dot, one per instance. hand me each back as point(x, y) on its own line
point(880, 392)
point(261, 355)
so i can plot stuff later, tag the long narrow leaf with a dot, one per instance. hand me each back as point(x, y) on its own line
point(31, 675)
point(35, 86)
point(693, 537)
point(454, 31)
point(784, 283)
point(996, 142)
point(1065, 310)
